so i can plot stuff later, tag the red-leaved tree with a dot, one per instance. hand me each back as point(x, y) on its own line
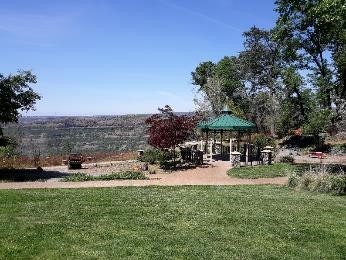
point(167, 130)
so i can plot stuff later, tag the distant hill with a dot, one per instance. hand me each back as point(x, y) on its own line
point(58, 135)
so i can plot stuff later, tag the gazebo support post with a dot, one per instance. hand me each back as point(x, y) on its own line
point(250, 147)
point(230, 149)
point(247, 150)
point(211, 147)
point(221, 144)
point(206, 144)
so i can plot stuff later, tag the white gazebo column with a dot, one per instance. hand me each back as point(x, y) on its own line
point(230, 149)
point(206, 145)
point(221, 145)
point(247, 151)
point(211, 149)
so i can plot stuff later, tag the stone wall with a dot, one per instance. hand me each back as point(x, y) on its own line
point(120, 166)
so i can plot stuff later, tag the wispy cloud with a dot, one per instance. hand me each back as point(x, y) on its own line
point(199, 15)
point(36, 27)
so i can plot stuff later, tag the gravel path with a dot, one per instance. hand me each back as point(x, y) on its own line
point(213, 174)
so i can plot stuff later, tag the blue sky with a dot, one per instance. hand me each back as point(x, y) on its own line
point(119, 57)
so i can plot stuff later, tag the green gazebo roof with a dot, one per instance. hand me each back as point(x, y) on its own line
point(226, 121)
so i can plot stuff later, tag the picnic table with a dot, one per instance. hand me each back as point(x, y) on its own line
point(319, 155)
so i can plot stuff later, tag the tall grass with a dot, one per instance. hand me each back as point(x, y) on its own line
point(319, 180)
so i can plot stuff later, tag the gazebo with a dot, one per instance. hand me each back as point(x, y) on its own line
point(227, 124)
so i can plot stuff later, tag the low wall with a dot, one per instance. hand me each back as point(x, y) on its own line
point(121, 166)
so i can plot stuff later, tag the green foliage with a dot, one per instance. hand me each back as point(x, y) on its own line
point(298, 26)
point(260, 65)
point(318, 122)
point(319, 182)
point(16, 95)
point(221, 83)
point(127, 175)
point(340, 147)
point(296, 103)
point(76, 177)
point(262, 171)
point(154, 156)
point(227, 73)
point(7, 141)
point(168, 164)
point(189, 222)
point(7, 151)
point(261, 140)
point(287, 159)
point(165, 159)
point(7, 147)
point(293, 179)
point(203, 73)
point(260, 111)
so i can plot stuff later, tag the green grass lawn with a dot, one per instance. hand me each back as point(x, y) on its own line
point(262, 171)
point(200, 222)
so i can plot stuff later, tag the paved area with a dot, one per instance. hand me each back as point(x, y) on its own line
point(212, 174)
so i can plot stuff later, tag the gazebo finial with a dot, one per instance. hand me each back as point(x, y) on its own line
point(226, 109)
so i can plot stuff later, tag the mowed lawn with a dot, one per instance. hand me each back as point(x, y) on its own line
point(201, 222)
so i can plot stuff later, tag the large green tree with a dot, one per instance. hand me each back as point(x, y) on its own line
point(312, 32)
point(260, 65)
point(221, 83)
point(16, 94)
point(296, 102)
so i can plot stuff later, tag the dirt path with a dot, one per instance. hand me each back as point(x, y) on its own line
point(214, 174)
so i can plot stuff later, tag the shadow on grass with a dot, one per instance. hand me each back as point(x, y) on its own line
point(21, 175)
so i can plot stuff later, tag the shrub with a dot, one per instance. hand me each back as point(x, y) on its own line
point(168, 165)
point(293, 180)
point(166, 159)
point(127, 175)
point(262, 140)
point(75, 177)
point(7, 151)
point(287, 159)
point(305, 181)
point(317, 122)
point(153, 156)
point(343, 147)
point(320, 182)
point(340, 148)
point(337, 184)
